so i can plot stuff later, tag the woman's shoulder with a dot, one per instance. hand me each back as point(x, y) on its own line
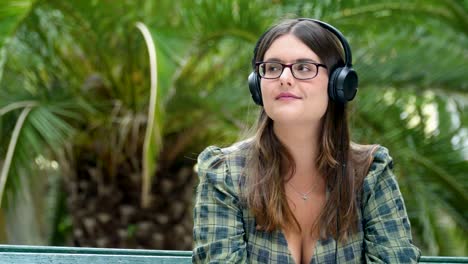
point(381, 169)
point(381, 160)
point(216, 161)
point(214, 154)
point(374, 157)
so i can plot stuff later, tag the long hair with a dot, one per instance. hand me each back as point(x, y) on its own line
point(270, 164)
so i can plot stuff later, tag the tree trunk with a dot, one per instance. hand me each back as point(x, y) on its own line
point(106, 210)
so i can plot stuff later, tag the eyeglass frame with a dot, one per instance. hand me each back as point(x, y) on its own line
point(283, 65)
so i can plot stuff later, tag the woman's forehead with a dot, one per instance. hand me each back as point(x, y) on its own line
point(289, 48)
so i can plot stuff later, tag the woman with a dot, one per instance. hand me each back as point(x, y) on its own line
point(299, 191)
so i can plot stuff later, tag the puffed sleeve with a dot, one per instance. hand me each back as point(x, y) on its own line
point(387, 231)
point(218, 230)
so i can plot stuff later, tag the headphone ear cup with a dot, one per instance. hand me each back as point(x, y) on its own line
point(332, 84)
point(342, 85)
point(254, 87)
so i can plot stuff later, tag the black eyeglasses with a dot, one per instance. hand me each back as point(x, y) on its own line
point(300, 70)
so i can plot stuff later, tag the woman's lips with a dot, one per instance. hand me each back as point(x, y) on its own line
point(287, 96)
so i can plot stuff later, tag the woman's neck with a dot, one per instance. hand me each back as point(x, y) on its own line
point(302, 143)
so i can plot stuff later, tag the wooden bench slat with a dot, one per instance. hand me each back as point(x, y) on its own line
point(99, 251)
point(446, 260)
point(14, 254)
point(54, 258)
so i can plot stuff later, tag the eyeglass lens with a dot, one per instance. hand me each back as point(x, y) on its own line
point(301, 70)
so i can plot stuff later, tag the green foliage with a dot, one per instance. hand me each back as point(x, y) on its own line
point(11, 14)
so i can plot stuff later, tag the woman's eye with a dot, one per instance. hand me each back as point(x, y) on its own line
point(272, 68)
point(303, 67)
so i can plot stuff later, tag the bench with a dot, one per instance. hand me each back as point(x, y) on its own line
point(10, 254)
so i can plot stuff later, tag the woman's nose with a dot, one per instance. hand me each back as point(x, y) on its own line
point(286, 77)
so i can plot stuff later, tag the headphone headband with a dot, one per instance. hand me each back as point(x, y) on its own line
point(337, 33)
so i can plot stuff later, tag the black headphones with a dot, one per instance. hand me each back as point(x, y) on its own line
point(343, 80)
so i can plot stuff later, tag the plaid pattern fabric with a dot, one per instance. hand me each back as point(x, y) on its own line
point(224, 231)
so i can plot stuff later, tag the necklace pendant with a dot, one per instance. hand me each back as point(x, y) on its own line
point(305, 197)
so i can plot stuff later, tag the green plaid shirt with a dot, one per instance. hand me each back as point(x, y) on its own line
point(224, 231)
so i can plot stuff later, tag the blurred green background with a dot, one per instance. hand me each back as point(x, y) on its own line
point(88, 159)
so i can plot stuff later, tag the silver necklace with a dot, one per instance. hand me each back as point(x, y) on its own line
point(304, 196)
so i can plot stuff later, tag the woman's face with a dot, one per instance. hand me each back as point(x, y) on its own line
point(287, 100)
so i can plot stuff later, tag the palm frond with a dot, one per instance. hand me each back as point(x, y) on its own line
point(12, 12)
point(11, 150)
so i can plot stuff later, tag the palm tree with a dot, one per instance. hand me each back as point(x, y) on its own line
point(68, 99)
point(80, 71)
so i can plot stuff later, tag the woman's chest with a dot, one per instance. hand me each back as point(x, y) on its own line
point(272, 247)
point(306, 209)
point(302, 239)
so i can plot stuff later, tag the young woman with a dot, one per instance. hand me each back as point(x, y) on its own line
point(299, 191)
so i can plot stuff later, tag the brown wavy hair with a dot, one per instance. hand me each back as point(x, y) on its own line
point(270, 164)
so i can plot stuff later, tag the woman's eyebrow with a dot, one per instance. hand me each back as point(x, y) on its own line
point(307, 60)
point(274, 60)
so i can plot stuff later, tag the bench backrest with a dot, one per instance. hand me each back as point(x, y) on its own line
point(73, 255)
point(68, 255)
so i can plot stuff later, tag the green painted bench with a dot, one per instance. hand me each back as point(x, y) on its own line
point(10, 254)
